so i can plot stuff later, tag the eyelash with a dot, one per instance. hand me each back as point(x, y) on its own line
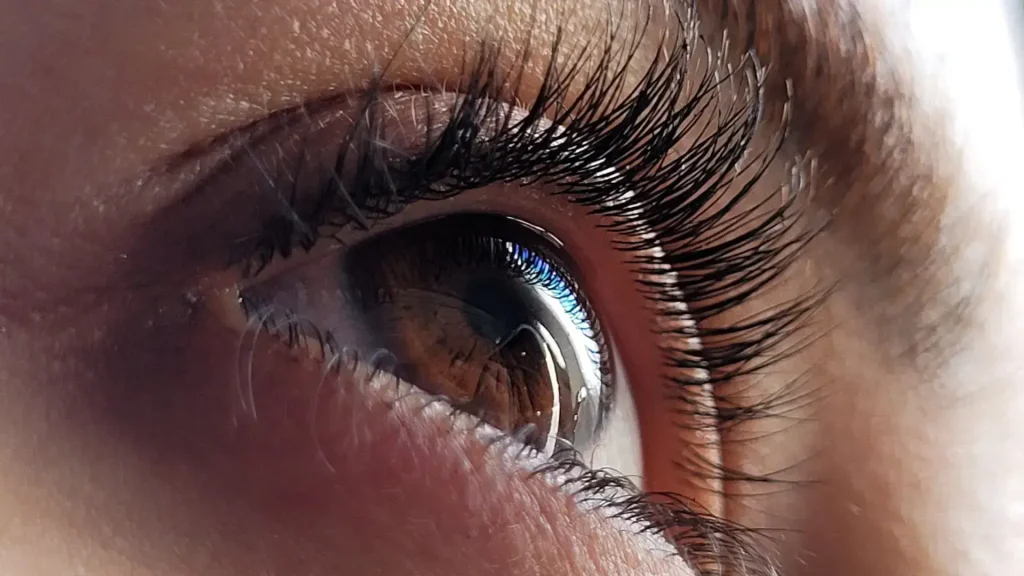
point(687, 204)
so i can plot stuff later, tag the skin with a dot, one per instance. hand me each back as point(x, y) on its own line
point(120, 453)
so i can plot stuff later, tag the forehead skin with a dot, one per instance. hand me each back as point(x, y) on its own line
point(921, 431)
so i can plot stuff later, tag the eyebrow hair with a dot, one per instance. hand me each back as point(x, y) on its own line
point(859, 127)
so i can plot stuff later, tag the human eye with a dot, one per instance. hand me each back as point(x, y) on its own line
point(554, 270)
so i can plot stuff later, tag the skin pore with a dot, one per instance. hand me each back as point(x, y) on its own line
point(120, 455)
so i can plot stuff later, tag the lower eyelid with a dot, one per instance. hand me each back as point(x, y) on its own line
point(369, 432)
point(366, 438)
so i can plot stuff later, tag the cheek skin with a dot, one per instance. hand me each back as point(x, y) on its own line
point(158, 452)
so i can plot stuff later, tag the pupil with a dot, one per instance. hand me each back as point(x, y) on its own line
point(493, 308)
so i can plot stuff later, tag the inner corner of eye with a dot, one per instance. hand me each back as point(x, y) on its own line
point(482, 310)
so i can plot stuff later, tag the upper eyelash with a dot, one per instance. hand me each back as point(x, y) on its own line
point(685, 200)
point(682, 201)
